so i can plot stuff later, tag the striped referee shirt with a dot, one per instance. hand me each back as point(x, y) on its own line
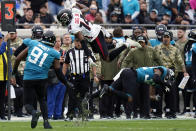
point(78, 60)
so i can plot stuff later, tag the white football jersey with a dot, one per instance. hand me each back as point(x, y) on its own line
point(78, 23)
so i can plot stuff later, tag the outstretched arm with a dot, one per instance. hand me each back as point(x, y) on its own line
point(82, 7)
point(19, 58)
point(60, 75)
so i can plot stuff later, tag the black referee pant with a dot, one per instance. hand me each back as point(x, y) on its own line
point(76, 94)
point(38, 88)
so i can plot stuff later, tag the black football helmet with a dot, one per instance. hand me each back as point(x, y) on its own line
point(49, 38)
point(192, 35)
point(64, 17)
point(159, 30)
point(37, 32)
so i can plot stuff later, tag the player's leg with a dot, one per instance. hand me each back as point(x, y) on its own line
point(29, 93)
point(40, 89)
point(99, 46)
point(124, 86)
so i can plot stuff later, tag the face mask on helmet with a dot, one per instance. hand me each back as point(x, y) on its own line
point(64, 17)
point(37, 32)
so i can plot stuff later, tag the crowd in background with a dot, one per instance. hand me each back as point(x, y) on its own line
point(109, 11)
point(149, 102)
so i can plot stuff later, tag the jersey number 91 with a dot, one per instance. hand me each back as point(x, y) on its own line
point(37, 53)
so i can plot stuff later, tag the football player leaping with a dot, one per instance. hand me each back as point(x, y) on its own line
point(93, 33)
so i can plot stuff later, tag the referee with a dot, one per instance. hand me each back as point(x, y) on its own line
point(80, 65)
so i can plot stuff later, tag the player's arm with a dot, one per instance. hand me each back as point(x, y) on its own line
point(82, 7)
point(20, 49)
point(19, 58)
point(60, 75)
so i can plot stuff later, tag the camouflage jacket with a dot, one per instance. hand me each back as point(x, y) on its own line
point(171, 57)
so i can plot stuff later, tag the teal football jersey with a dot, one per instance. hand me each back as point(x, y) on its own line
point(39, 60)
point(145, 74)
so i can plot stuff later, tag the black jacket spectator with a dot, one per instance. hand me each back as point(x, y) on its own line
point(27, 19)
point(117, 9)
point(45, 17)
point(143, 13)
point(36, 5)
point(152, 18)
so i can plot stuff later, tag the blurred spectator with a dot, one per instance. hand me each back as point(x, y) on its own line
point(98, 18)
point(23, 6)
point(114, 18)
point(145, 32)
point(157, 4)
point(55, 90)
point(36, 5)
point(106, 103)
point(170, 7)
point(45, 17)
point(105, 4)
point(164, 22)
point(27, 19)
point(3, 75)
point(95, 2)
point(159, 30)
point(152, 18)
point(127, 20)
point(193, 4)
point(15, 40)
point(91, 16)
point(178, 19)
point(85, 2)
point(167, 17)
point(0, 11)
point(180, 5)
point(55, 6)
point(143, 13)
point(189, 11)
point(67, 42)
point(131, 7)
point(115, 7)
point(18, 101)
point(98, 3)
point(185, 22)
point(37, 21)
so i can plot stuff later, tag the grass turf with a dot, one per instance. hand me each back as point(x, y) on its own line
point(131, 125)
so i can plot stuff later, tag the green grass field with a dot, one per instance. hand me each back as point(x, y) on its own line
point(131, 125)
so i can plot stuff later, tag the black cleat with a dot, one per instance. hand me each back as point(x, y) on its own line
point(47, 125)
point(35, 117)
